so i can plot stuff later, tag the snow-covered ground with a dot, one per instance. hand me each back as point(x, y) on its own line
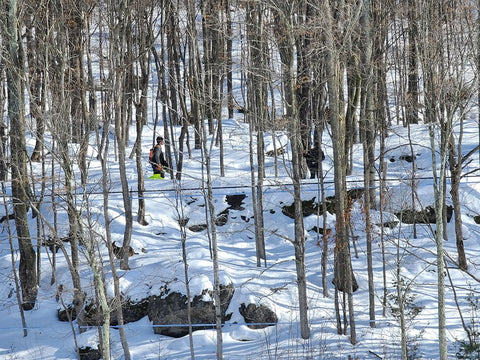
point(159, 261)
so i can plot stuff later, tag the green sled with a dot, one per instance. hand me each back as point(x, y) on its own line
point(156, 176)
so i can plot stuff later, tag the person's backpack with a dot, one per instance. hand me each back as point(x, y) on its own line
point(150, 157)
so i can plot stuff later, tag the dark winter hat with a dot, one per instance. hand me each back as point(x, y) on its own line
point(159, 139)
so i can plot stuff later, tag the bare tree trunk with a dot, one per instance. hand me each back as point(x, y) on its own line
point(439, 203)
point(90, 83)
point(108, 234)
point(412, 91)
point(431, 63)
point(299, 241)
point(195, 72)
point(477, 63)
point(447, 94)
point(285, 28)
point(120, 22)
point(90, 242)
point(3, 126)
point(305, 61)
point(368, 129)
point(182, 222)
point(35, 37)
point(3, 140)
point(61, 132)
point(214, 53)
point(354, 81)
point(18, 148)
point(455, 177)
point(400, 288)
point(381, 114)
point(256, 103)
point(74, 22)
point(18, 292)
point(257, 204)
point(344, 279)
point(208, 191)
point(140, 178)
point(229, 57)
point(144, 38)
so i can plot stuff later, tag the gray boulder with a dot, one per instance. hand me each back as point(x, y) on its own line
point(258, 316)
point(169, 313)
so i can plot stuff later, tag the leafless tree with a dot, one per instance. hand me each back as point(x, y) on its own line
point(119, 23)
point(368, 121)
point(344, 279)
point(432, 63)
point(458, 98)
point(35, 33)
point(256, 115)
point(194, 72)
point(284, 14)
point(413, 76)
point(18, 292)
point(214, 55)
point(143, 39)
point(117, 304)
point(21, 192)
point(207, 189)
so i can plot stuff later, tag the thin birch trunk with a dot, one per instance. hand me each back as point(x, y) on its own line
point(212, 233)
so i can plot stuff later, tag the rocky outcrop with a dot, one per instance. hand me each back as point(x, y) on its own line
point(258, 316)
point(405, 157)
point(197, 227)
point(131, 310)
point(169, 313)
point(234, 201)
point(310, 207)
point(88, 353)
point(424, 216)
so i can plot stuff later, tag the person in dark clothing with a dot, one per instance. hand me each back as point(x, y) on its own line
point(158, 161)
point(313, 156)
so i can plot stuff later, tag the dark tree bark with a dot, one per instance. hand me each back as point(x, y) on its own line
point(229, 57)
point(18, 148)
point(413, 78)
point(354, 81)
